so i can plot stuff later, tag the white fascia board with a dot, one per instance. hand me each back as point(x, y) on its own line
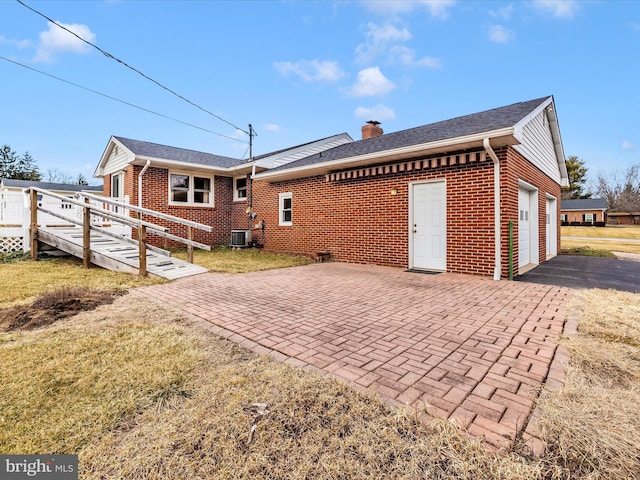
point(557, 145)
point(99, 171)
point(194, 167)
point(271, 159)
point(550, 107)
point(468, 141)
point(518, 127)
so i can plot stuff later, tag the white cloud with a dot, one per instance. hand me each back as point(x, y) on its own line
point(557, 8)
point(311, 70)
point(379, 113)
point(504, 12)
point(371, 82)
point(377, 40)
point(272, 127)
point(436, 8)
point(407, 57)
point(56, 40)
point(500, 34)
point(626, 145)
point(16, 43)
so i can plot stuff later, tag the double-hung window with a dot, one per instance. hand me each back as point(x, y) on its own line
point(286, 209)
point(239, 189)
point(185, 189)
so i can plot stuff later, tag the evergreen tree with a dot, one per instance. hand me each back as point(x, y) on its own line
point(18, 167)
point(577, 179)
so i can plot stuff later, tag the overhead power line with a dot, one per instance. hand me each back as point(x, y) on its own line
point(108, 55)
point(121, 101)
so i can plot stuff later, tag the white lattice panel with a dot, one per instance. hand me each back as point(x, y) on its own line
point(10, 244)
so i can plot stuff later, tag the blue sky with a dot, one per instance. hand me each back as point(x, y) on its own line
point(298, 71)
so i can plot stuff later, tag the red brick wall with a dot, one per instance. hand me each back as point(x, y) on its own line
point(358, 220)
point(155, 196)
point(514, 167)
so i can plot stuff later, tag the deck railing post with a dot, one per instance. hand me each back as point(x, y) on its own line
point(86, 234)
point(142, 250)
point(33, 224)
point(189, 247)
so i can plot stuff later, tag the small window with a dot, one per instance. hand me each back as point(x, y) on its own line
point(563, 217)
point(588, 218)
point(190, 189)
point(201, 190)
point(240, 188)
point(286, 209)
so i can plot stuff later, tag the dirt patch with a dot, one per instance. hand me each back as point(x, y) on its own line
point(54, 306)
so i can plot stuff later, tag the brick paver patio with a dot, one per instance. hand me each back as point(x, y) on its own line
point(467, 348)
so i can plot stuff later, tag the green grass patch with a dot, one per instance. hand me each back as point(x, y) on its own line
point(241, 260)
point(586, 252)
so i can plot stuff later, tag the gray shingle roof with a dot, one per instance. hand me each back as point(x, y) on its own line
point(584, 204)
point(486, 121)
point(67, 187)
point(165, 152)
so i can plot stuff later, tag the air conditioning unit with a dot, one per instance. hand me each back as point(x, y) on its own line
point(240, 238)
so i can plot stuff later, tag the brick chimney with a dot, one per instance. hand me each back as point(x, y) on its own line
point(371, 129)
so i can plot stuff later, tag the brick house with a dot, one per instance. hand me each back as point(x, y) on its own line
point(588, 211)
point(438, 197)
point(197, 186)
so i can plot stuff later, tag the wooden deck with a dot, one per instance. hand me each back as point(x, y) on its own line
point(115, 254)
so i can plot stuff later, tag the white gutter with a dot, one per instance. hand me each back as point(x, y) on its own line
point(144, 169)
point(496, 208)
point(400, 152)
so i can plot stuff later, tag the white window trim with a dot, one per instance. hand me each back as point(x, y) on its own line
point(190, 202)
point(120, 178)
point(235, 190)
point(281, 199)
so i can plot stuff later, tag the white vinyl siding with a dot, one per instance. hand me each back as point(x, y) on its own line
point(119, 159)
point(537, 146)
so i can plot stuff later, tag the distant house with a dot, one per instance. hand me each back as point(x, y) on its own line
point(583, 211)
point(14, 217)
point(438, 197)
point(623, 218)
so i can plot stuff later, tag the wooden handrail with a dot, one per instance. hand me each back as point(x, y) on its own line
point(87, 210)
point(132, 222)
point(135, 208)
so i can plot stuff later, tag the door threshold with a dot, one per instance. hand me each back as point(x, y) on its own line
point(525, 268)
point(420, 270)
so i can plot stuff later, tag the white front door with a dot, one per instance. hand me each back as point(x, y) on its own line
point(524, 235)
point(428, 230)
point(552, 228)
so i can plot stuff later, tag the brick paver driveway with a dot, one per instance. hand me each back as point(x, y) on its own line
point(467, 348)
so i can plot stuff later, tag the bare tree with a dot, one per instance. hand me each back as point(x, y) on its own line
point(53, 175)
point(622, 190)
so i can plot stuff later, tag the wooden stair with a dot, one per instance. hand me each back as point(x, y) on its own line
point(117, 254)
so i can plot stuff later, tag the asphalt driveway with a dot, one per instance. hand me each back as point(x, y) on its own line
point(460, 347)
point(586, 272)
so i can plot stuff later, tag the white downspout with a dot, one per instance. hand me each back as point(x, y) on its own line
point(496, 210)
point(144, 169)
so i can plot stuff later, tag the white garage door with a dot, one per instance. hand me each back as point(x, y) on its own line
point(524, 232)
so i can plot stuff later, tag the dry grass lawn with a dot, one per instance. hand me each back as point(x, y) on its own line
point(619, 232)
point(139, 392)
point(229, 260)
point(22, 280)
